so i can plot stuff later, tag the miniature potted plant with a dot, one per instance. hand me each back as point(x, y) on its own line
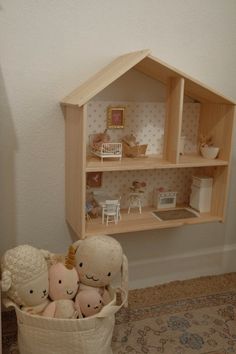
point(207, 149)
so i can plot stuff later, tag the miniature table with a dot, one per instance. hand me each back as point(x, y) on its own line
point(101, 200)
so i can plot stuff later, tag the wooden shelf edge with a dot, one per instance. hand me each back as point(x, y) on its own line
point(143, 222)
point(150, 162)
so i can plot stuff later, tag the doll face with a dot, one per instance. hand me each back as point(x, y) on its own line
point(98, 262)
point(63, 282)
point(89, 301)
point(34, 292)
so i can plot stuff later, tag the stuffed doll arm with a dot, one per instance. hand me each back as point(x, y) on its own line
point(50, 310)
point(60, 309)
point(36, 310)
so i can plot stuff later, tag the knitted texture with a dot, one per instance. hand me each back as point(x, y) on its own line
point(22, 263)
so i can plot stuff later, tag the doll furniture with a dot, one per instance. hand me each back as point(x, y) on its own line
point(108, 150)
point(135, 201)
point(132, 148)
point(111, 211)
point(215, 119)
point(105, 149)
point(201, 192)
point(164, 199)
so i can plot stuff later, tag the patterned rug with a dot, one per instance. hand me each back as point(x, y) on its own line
point(182, 317)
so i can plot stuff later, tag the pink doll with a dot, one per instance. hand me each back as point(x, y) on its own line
point(63, 286)
point(25, 278)
point(88, 303)
point(99, 260)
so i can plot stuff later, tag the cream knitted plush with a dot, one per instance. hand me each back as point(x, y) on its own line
point(99, 259)
point(25, 277)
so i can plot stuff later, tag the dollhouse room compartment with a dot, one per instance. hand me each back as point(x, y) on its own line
point(176, 185)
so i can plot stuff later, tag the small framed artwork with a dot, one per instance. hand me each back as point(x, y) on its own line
point(94, 179)
point(115, 117)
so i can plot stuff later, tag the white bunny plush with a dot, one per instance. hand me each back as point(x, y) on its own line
point(99, 259)
point(25, 277)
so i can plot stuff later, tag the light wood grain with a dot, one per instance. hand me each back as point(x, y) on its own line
point(219, 191)
point(104, 77)
point(216, 121)
point(150, 162)
point(141, 222)
point(141, 61)
point(75, 152)
point(173, 122)
point(162, 71)
point(217, 117)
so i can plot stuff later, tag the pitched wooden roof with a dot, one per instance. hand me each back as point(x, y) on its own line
point(104, 78)
point(141, 61)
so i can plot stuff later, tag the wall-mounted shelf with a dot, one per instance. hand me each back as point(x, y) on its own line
point(146, 221)
point(150, 162)
point(212, 115)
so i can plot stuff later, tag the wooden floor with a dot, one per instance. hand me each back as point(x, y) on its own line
point(140, 222)
point(149, 162)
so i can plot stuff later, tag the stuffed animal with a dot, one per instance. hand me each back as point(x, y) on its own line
point(91, 206)
point(88, 303)
point(25, 277)
point(63, 286)
point(99, 259)
point(100, 138)
point(130, 140)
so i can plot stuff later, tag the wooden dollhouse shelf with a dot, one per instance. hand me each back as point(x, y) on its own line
point(149, 162)
point(140, 81)
point(195, 160)
point(141, 222)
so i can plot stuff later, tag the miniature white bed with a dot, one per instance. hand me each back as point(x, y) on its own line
point(106, 150)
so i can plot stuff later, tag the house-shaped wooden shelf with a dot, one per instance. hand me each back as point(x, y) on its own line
point(216, 116)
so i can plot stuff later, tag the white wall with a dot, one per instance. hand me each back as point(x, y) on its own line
point(47, 49)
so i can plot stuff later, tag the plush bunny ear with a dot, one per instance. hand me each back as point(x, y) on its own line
point(124, 276)
point(6, 280)
point(77, 244)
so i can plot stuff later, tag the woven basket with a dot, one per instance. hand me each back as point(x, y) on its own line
point(42, 335)
point(134, 151)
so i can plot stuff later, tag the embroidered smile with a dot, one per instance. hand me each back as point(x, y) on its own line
point(94, 279)
point(69, 292)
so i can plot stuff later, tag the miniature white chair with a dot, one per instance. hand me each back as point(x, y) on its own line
point(111, 211)
point(135, 202)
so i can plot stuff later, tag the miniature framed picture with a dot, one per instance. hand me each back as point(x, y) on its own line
point(115, 117)
point(94, 179)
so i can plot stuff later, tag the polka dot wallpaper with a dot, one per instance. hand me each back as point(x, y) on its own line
point(146, 121)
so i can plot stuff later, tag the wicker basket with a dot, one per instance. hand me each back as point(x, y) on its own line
point(134, 151)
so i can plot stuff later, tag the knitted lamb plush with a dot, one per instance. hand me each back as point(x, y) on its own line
point(99, 259)
point(63, 286)
point(25, 277)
